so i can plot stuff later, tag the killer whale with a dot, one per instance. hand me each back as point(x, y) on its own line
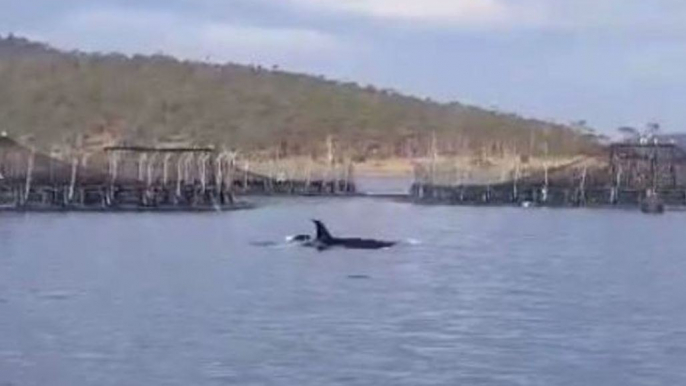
point(324, 240)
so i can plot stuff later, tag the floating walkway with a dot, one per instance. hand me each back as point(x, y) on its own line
point(634, 175)
point(135, 178)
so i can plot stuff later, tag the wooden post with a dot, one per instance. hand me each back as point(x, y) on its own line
point(271, 175)
point(29, 175)
point(434, 157)
point(72, 182)
point(613, 161)
point(165, 169)
point(246, 169)
point(546, 182)
point(53, 155)
point(219, 174)
point(141, 166)
point(308, 176)
point(231, 170)
point(330, 155)
point(203, 171)
point(188, 171)
point(457, 171)
point(672, 167)
point(582, 186)
point(179, 175)
point(150, 166)
point(348, 177)
point(614, 199)
point(546, 185)
point(114, 168)
point(654, 168)
point(515, 182)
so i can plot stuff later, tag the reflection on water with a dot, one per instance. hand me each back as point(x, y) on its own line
point(387, 185)
point(484, 296)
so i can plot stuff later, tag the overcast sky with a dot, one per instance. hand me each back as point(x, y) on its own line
point(610, 62)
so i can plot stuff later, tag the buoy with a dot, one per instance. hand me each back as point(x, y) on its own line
point(652, 204)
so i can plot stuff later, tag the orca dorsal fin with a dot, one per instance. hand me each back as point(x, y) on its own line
point(322, 233)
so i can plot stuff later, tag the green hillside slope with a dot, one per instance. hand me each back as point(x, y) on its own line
point(55, 95)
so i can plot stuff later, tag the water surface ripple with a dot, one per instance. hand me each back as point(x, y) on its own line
point(482, 296)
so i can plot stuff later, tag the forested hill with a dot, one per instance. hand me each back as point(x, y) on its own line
point(53, 96)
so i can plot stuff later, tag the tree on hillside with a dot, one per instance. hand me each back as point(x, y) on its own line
point(629, 134)
point(56, 95)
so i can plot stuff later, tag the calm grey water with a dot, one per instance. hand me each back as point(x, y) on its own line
point(488, 297)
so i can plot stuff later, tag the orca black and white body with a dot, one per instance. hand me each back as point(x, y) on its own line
point(324, 240)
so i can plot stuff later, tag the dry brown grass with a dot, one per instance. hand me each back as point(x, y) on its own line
point(448, 170)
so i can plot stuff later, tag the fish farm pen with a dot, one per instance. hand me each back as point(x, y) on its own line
point(120, 178)
point(630, 175)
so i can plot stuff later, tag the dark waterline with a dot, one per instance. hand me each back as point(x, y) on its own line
point(474, 296)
